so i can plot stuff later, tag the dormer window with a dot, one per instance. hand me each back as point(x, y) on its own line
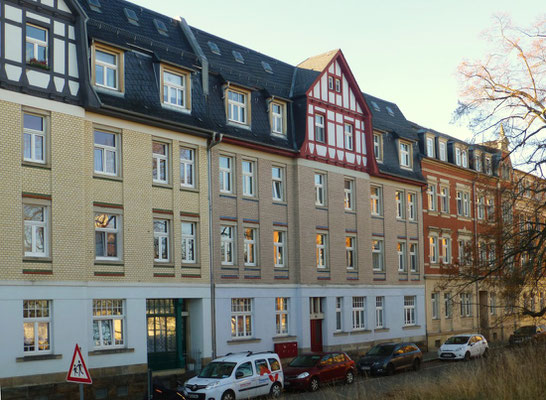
point(108, 71)
point(349, 137)
point(320, 132)
point(442, 150)
point(458, 156)
point(278, 118)
point(405, 154)
point(477, 162)
point(36, 45)
point(430, 147)
point(378, 146)
point(175, 87)
point(464, 158)
point(214, 48)
point(238, 106)
point(488, 168)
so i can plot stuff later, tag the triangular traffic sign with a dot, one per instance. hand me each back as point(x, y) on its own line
point(78, 371)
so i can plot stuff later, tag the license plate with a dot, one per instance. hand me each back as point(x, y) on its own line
point(365, 368)
point(192, 396)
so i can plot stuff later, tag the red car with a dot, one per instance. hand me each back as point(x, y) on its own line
point(309, 371)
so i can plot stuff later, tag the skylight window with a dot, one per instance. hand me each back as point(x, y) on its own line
point(389, 110)
point(161, 27)
point(267, 67)
point(375, 106)
point(214, 48)
point(94, 5)
point(131, 16)
point(238, 57)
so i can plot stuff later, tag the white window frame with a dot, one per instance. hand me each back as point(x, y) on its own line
point(159, 160)
point(481, 207)
point(241, 309)
point(250, 246)
point(444, 196)
point(227, 241)
point(320, 189)
point(478, 162)
point(163, 240)
point(414, 257)
point(378, 254)
point(226, 174)
point(180, 90)
point(349, 194)
point(279, 248)
point(277, 183)
point(350, 252)
point(36, 43)
point(349, 136)
point(189, 241)
point(457, 156)
point(187, 167)
point(237, 110)
point(38, 307)
point(432, 197)
point(282, 314)
point(377, 146)
point(448, 306)
point(430, 147)
point(466, 204)
point(402, 256)
point(442, 150)
point(380, 312)
point(108, 66)
point(434, 301)
point(99, 223)
point(277, 118)
point(359, 313)
point(104, 150)
point(106, 313)
point(446, 249)
point(409, 310)
point(490, 208)
point(339, 314)
point(399, 197)
point(405, 154)
point(249, 178)
point(320, 127)
point(34, 227)
point(34, 135)
point(464, 158)
point(493, 304)
point(488, 166)
point(434, 250)
point(376, 200)
point(322, 250)
point(412, 206)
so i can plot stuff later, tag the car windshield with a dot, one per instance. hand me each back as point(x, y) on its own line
point(305, 361)
point(457, 340)
point(525, 330)
point(380, 350)
point(217, 369)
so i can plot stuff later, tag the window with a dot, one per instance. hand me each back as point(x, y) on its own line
point(442, 146)
point(458, 156)
point(400, 206)
point(322, 250)
point(161, 27)
point(430, 147)
point(107, 236)
point(249, 253)
point(161, 240)
point(241, 318)
point(131, 16)
point(227, 244)
point(412, 207)
point(409, 310)
point(106, 153)
point(37, 326)
point(349, 194)
point(279, 248)
point(434, 298)
point(277, 176)
point(320, 132)
point(175, 89)
point(466, 204)
point(444, 199)
point(281, 315)
point(401, 251)
point(108, 321)
point(188, 242)
point(488, 169)
point(493, 304)
point(160, 162)
point(375, 106)
point(237, 107)
point(350, 252)
point(466, 304)
point(349, 137)
point(108, 67)
point(465, 254)
point(339, 313)
point(376, 200)
point(249, 178)
point(481, 207)
point(433, 244)
point(464, 158)
point(377, 254)
point(359, 313)
point(431, 197)
point(446, 250)
point(379, 312)
point(36, 230)
point(277, 118)
point(414, 261)
point(320, 189)
point(448, 305)
point(226, 174)
point(377, 147)
point(490, 208)
point(405, 155)
point(187, 167)
point(34, 138)
point(267, 67)
point(338, 85)
point(214, 48)
point(477, 162)
point(238, 56)
point(36, 45)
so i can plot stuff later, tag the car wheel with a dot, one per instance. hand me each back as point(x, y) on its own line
point(314, 384)
point(467, 356)
point(349, 377)
point(390, 369)
point(416, 364)
point(276, 390)
point(228, 395)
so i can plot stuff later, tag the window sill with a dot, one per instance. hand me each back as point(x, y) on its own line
point(176, 108)
point(160, 264)
point(40, 260)
point(377, 216)
point(39, 357)
point(251, 198)
point(106, 90)
point(189, 189)
point(279, 135)
point(37, 165)
point(360, 332)
point(162, 185)
point(284, 338)
point(353, 212)
point(380, 330)
point(432, 213)
point(244, 340)
point(280, 203)
point(109, 262)
point(45, 68)
point(110, 351)
point(235, 124)
point(190, 265)
point(228, 195)
point(341, 333)
point(108, 177)
point(410, 327)
point(321, 207)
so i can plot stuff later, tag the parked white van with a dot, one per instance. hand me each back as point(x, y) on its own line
point(237, 376)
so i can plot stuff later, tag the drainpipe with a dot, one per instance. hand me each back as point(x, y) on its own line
point(215, 139)
point(476, 247)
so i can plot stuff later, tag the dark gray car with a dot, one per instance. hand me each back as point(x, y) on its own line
point(386, 358)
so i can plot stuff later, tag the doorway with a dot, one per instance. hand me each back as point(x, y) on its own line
point(316, 315)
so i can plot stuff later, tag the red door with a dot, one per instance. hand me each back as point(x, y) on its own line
point(316, 335)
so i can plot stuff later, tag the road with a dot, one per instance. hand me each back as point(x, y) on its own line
point(375, 387)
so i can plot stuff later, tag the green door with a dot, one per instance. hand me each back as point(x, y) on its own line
point(166, 347)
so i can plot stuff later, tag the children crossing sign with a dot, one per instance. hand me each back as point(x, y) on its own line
point(78, 371)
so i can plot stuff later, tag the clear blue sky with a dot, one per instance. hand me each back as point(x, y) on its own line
point(403, 51)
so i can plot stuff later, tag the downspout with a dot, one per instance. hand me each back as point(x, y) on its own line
point(215, 139)
point(478, 251)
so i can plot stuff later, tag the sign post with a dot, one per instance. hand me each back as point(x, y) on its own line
point(78, 372)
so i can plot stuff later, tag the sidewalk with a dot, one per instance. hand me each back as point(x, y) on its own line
point(429, 356)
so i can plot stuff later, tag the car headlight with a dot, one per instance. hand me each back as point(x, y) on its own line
point(212, 385)
point(303, 375)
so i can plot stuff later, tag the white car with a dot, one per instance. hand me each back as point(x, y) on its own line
point(463, 347)
point(237, 376)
